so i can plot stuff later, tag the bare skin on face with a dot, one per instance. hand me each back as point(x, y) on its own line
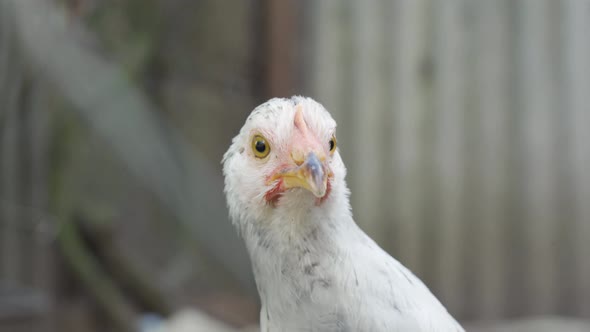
point(306, 168)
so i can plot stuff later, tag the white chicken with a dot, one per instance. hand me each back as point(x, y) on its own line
point(315, 269)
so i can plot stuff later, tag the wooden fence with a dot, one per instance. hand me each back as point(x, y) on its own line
point(465, 128)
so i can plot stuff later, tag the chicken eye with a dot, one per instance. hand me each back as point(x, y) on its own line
point(260, 147)
point(333, 143)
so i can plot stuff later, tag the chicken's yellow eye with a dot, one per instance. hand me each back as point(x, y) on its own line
point(260, 146)
point(333, 144)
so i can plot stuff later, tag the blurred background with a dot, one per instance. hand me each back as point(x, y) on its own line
point(464, 125)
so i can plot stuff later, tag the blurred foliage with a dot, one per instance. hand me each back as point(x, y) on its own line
point(129, 31)
point(118, 165)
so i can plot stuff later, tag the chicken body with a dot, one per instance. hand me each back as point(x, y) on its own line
point(315, 269)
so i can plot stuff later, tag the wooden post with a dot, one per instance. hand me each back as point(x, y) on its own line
point(280, 47)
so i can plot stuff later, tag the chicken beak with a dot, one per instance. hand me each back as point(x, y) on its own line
point(310, 175)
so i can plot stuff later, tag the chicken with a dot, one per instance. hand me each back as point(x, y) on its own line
point(315, 269)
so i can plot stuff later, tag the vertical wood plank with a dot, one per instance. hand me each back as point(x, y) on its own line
point(4, 64)
point(367, 113)
point(576, 88)
point(10, 225)
point(407, 100)
point(24, 211)
point(492, 98)
point(328, 37)
point(281, 45)
point(536, 101)
point(40, 221)
point(449, 100)
point(9, 160)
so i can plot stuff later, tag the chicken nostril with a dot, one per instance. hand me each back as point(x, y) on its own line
point(298, 158)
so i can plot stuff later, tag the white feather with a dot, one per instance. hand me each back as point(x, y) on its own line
point(314, 268)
